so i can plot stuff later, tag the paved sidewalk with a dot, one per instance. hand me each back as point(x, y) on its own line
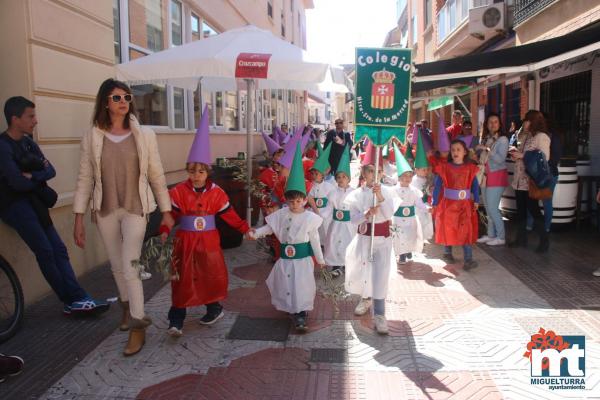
point(52, 344)
point(454, 334)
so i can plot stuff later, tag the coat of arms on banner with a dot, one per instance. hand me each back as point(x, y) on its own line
point(382, 96)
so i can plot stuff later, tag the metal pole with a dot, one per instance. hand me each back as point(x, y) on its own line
point(249, 129)
point(374, 203)
point(463, 105)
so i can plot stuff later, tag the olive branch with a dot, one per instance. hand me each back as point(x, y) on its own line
point(159, 255)
point(333, 290)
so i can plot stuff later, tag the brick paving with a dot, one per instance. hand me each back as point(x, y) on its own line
point(454, 335)
point(52, 344)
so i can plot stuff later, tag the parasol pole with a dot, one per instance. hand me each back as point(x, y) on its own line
point(249, 128)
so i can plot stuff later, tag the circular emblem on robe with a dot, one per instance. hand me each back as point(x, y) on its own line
point(406, 211)
point(319, 202)
point(339, 214)
point(462, 194)
point(199, 223)
point(362, 228)
point(290, 251)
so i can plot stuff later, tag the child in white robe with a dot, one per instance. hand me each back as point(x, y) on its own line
point(292, 281)
point(318, 197)
point(363, 277)
point(406, 228)
point(341, 229)
point(422, 181)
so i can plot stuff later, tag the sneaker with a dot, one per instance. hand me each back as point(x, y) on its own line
point(381, 325)
point(470, 264)
point(596, 272)
point(67, 310)
point(212, 316)
point(10, 366)
point(300, 322)
point(485, 239)
point(175, 332)
point(496, 242)
point(449, 258)
point(362, 307)
point(89, 306)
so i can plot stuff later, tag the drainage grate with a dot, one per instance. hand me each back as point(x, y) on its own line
point(334, 356)
point(267, 329)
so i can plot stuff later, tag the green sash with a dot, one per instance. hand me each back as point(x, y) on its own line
point(296, 251)
point(405, 212)
point(341, 215)
point(321, 202)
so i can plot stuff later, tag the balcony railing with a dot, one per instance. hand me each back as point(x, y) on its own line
point(525, 9)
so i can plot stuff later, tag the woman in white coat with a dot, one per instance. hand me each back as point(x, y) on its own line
point(120, 170)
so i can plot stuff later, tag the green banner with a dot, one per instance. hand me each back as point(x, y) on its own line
point(382, 100)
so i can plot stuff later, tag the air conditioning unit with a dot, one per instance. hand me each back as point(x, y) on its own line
point(487, 21)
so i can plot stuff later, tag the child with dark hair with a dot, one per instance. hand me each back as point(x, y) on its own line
point(200, 275)
point(406, 229)
point(456, 222)
point(321, 190)
point(292, 281)
point(369, 276)
point(341, 229)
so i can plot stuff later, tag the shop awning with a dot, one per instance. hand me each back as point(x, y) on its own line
point(428, 85)
point(447, 100)
point(519, 59)
point(440, 102)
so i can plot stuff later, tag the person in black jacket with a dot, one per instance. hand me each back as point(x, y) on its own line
point(24, 201)
point(338, 139)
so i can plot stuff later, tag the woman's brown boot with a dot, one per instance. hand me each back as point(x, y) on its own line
point(124, 325)
point(137, 335)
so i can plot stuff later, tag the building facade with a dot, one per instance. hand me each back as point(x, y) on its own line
point(61, 50)
point(568, 90)
point(444, 29)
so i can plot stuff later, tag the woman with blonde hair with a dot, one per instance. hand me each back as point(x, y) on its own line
point(120, 169)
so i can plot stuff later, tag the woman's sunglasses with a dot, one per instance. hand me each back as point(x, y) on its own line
point(117, 98)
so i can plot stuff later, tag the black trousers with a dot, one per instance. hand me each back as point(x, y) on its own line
point(524, 204)
point(177, 315)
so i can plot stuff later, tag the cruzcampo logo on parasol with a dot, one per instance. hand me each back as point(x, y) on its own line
point(382, 93)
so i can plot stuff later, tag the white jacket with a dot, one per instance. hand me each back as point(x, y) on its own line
point(152, 178)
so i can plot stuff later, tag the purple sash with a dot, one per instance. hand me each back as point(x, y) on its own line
point(457, 194)
point(197, 223)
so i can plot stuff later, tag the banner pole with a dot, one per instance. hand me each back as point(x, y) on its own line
point(377, 148)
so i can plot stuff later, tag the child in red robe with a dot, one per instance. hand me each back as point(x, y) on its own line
point(456, 221)
point(270, 178)
point(199, 272)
